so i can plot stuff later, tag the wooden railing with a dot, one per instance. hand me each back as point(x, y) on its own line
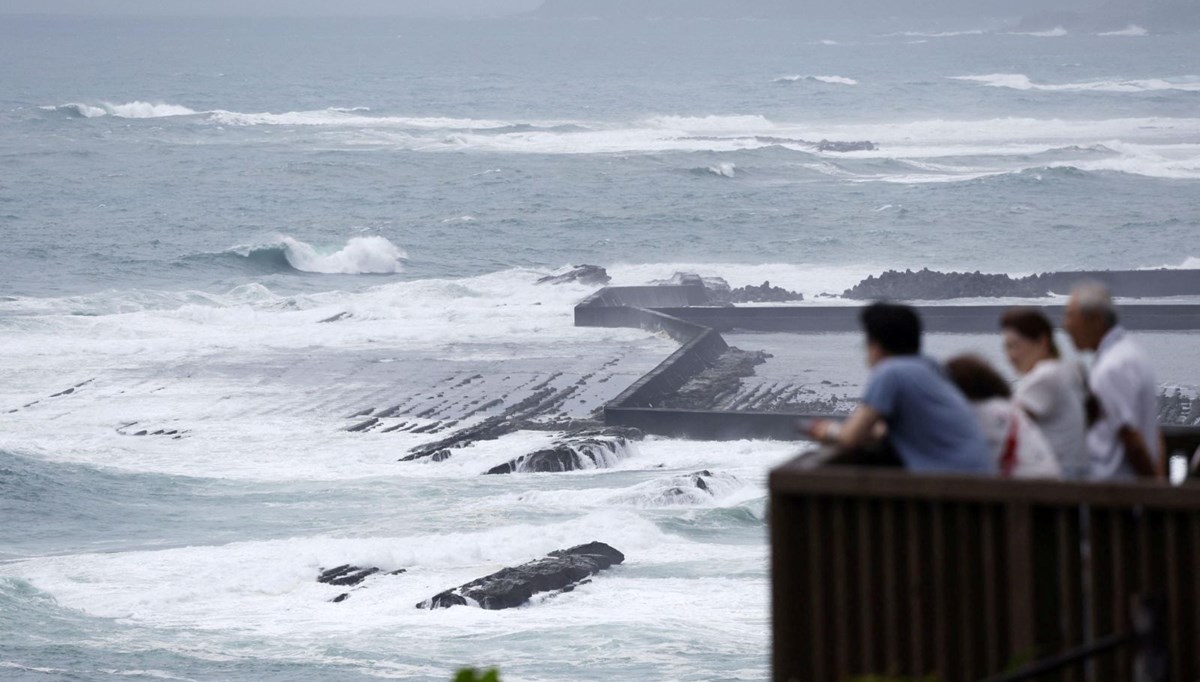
point(877, 572)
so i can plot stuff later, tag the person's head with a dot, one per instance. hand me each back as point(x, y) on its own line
point(976, 378)
point(1090, 314)
point(1028, 338)
point(891, 330)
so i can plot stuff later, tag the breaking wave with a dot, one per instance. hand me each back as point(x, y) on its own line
point(1189, 263)
point(1056, 32)
point(351, 118)
point(831, 80)
point(359, 256)
point(136, 109)
point(334, 116)
point(1132, 30)
point(938, 34)
point(724, 170)
point(1019, 81)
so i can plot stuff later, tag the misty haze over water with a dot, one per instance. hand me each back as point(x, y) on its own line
point(244, 230)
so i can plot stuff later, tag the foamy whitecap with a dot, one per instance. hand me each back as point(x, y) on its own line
point(725, 170)
point(1132, 30)
point(351, 117)
point(136, 109)
point(938, 34)
point(711, 124)
point(1019, 81)
point(831, 80)
point(1189, 263)
point(359, 256)
point(1056, 32)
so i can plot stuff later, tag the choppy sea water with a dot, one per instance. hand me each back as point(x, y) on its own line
point(183, 202)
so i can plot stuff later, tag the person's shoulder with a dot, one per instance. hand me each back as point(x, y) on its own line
point(1050, 372)
point(904, 366)
point(1125, 355)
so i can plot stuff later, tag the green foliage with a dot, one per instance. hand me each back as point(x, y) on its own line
point(473, 675)
point(885, 678)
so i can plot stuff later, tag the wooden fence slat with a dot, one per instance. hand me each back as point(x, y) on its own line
point(816, 593)
point(915, 581)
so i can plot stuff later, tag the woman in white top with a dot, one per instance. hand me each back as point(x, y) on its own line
point(1016, 442)
point(1049, 390)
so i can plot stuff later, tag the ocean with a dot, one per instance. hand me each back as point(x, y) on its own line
point(237, 235)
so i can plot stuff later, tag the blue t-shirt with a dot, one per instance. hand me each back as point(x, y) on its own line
point(930, 423)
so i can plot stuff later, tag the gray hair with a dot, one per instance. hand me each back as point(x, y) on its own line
point(1094, 298)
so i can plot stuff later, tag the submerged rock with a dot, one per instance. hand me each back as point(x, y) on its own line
point(560, 571)
point(696, 488)
point(598, 449)
point(584, 274)
point(347, 575)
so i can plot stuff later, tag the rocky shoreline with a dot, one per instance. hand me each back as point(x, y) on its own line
point(933, 285)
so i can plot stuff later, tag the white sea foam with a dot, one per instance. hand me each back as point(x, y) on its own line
point(1017, 81)
point(203, 363)
point(136, 109)
point(359, 255)
point(1189, 263)
point(808, 278)
point(939, 34)
point(1132, 30)
point(269, 588)
point(832, 80)
point(710, 124)
point(352, 117)
point(1056, 32)
point(725, 170)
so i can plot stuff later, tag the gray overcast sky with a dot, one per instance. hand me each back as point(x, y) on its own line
point(269, 7)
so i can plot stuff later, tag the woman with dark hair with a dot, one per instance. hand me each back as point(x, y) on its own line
point(1017, 444)
point(1049, 390)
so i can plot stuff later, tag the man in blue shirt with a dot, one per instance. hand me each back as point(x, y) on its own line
point(929, 423)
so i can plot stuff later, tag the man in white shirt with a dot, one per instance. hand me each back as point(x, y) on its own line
point(1124, 442)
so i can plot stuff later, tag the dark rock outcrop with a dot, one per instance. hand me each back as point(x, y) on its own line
point(764, 293)
point(931, 285)
point(347, 574)
point(584, 274)
point(559, 571)
point(596, 449)
point(695, 488)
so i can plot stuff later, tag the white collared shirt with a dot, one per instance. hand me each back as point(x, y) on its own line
point(1052, 393)
point(1123, 383)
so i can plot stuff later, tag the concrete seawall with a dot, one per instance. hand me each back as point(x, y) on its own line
point(967, 319)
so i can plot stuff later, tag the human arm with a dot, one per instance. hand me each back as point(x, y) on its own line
point(1137, 451)
point(856, 431)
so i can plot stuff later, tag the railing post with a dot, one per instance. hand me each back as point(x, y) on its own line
point(1151, 658)
point(1019, 567)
